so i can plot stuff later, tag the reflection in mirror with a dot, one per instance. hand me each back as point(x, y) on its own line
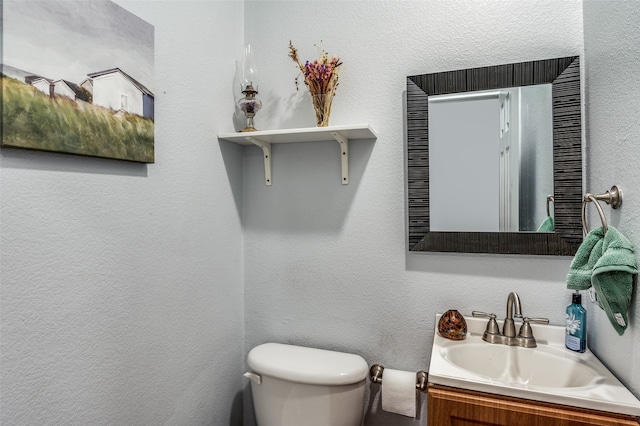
point(503, 138)
point(469, 196)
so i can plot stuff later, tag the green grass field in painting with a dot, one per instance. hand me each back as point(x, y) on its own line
point(32, 120)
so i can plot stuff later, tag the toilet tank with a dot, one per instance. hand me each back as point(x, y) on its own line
point(306, 386)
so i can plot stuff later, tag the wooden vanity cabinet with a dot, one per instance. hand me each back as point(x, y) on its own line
point(457, 407)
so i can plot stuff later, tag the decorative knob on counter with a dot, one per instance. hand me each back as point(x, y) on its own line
point(452, 325)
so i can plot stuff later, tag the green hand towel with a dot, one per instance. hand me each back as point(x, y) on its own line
point(613, 278)
point(546, 225)
point(607, 262)
point(581, 269)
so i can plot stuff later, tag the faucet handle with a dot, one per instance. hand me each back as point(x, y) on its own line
point(526, 333)
point(525, 329)
point(480, 314)
point(492, 325)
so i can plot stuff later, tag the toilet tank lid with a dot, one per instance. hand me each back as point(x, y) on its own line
point(307, 365)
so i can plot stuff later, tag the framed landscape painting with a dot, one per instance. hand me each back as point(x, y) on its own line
point(77, 78)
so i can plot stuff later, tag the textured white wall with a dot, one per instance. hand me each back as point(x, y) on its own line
point(121, 284)
point(121, 293)
point(325, 264)
point(612, 49)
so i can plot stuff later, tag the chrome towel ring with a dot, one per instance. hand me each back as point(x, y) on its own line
point(613, 197)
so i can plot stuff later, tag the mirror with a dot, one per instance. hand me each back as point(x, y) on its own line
point(491, 197)
point(503, 138)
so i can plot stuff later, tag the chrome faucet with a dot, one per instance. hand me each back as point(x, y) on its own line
point(513, 304)
point(508, 336)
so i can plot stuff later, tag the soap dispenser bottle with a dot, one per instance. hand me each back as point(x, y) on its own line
point(576, 325)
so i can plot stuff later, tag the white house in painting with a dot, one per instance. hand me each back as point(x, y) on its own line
point(115, 89)
point(65, 88)
point(43, 84)
point(54, 87)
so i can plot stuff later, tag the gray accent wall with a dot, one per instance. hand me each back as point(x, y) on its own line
point(121, 284)
point(612, 49)
point(131, 294)
point(326, 264)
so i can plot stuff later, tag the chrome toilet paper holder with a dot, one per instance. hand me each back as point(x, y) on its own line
point(376, 371)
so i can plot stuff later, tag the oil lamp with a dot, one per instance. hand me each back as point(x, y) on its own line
point(249, 104)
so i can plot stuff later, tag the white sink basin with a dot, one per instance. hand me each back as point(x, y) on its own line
point(549, 372)
point(522, 366)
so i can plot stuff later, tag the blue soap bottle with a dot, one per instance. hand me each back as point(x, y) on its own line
point(576, 325)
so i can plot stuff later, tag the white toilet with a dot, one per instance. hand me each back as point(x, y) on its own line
point(295, 385)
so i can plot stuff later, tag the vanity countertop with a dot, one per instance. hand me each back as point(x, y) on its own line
point(548, 373)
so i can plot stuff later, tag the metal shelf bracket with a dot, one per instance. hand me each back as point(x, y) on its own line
point(344, 155)
point(266, 152)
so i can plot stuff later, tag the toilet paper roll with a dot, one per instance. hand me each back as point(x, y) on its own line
point(399, 392)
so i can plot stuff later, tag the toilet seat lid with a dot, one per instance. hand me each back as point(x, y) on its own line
point(307, 365)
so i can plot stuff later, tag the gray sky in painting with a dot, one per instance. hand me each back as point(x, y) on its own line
point(68, 39)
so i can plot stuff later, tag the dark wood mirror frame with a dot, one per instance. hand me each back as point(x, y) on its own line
point(564, 74)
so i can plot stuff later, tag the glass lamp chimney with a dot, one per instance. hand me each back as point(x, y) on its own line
point(249, 104)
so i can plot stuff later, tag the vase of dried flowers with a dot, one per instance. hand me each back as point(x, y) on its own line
point(321, 78)
point(322, 107)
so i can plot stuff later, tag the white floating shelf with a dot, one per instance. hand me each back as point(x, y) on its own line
point(340, 134)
